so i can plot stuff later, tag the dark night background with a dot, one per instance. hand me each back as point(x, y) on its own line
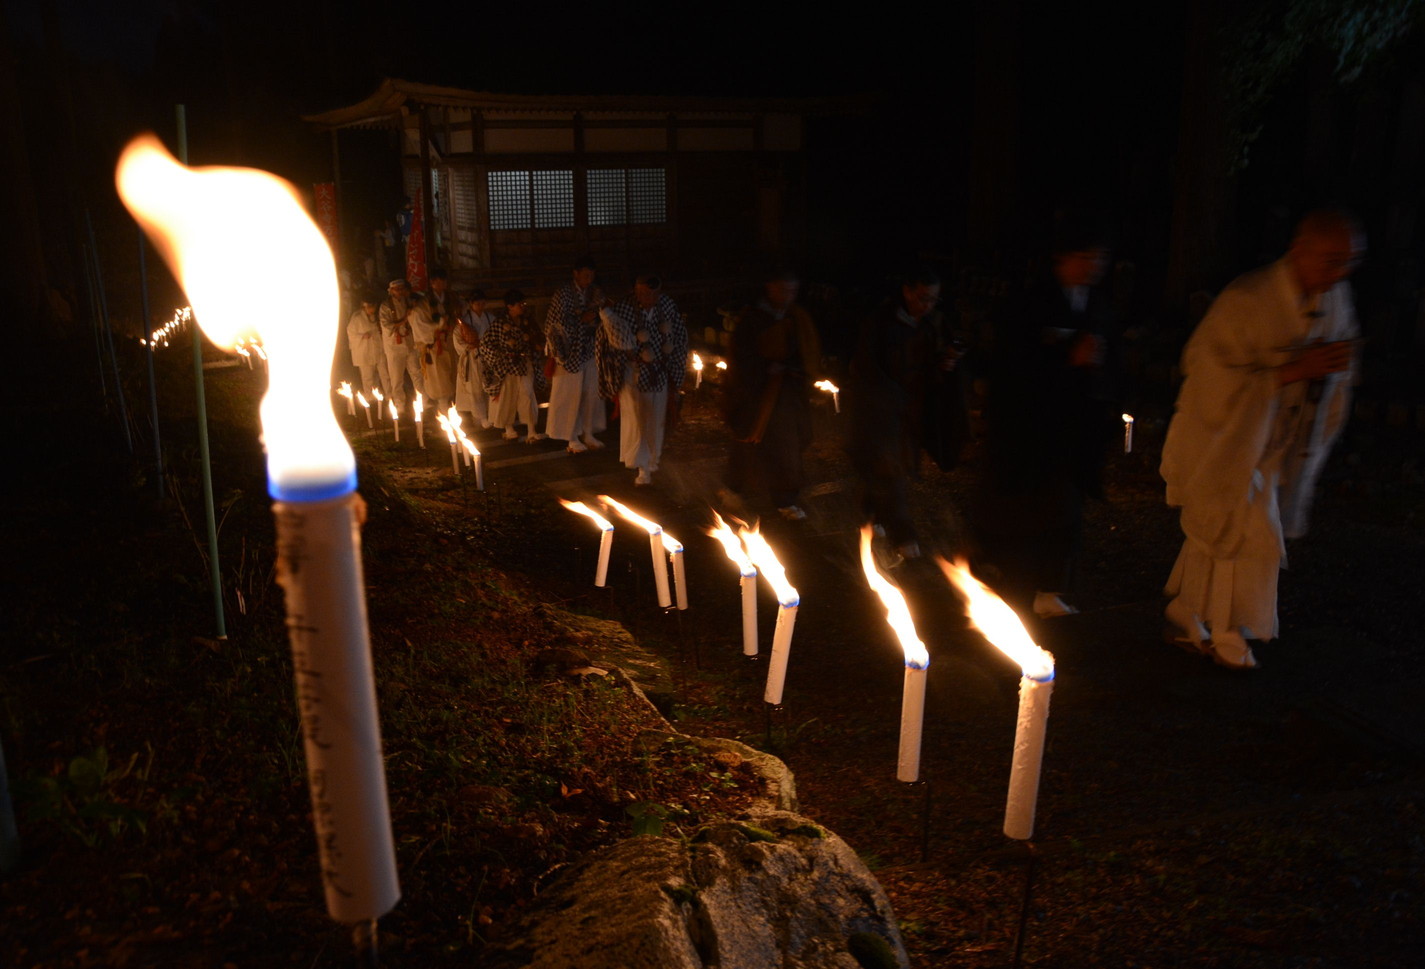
point(1198, 130)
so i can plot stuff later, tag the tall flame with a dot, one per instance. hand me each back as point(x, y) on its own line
point(579, 508)
point(446, 426)
point(697, 362)
point(827, 386)
point(651, 527)
point(768, 564)
point(217, 225)
point(897, 612)
point(345, 390)
point(997, 622)
point(732, 545)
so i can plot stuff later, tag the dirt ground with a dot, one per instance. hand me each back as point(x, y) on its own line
point(1188, 815)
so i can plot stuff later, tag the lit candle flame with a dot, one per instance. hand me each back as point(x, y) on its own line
point(732, 545)
point(361, 399)
point(376, 392)
point(722, 364)
point(579, 508)
point(446, 426)
point(697, 362)
point(469, 446)
point(395, 414)
point(897, 612)
point(768, 564)
point(420, 406)
point(651, 527)
point(1128, 418)
point(344, 390)
point(997, 622)
point(827, 386)
point(207, 221)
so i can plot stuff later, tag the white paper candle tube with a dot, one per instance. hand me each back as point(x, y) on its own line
point(1127, 433)
point(469, 461)
point(217, 227)
point(781, 650)
point(680, 575)
point(1024, 770)
point(420, 430)
point(660, 569)
point(606, 545)
point(319, 569)
point(749, 613)
point(366, 407)
point(479, 472)
point(912, 723)
point(395, 420)
point(454, 458)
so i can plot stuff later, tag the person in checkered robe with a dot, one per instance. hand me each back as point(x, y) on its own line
point(507, 355)
point(576, 412)
point(642, 350)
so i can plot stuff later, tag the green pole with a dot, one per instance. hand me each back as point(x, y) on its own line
point(214, 575)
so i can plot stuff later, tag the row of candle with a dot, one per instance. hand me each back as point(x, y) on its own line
point(989, 614)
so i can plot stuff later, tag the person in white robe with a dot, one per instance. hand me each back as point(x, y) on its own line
point(432, 318)
point(1268, 375)
point(402, 355)
point(576, 412)
point(470, 396)
point(363, 338)
point(507, 357)
point(642, 350)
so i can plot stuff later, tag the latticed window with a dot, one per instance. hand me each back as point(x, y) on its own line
point(647, 196)
point(509, 200)
point(553, 196)
point(627, 196)
point(525, 200)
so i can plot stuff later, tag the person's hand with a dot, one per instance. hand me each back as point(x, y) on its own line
point(1317, 361)
point(1087, 351)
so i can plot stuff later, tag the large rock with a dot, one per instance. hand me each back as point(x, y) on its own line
point(773, 892)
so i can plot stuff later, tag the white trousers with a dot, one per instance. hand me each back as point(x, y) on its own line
point(1237, 593)
point(401, 359)
point(516, 405)
point(642, 420)
point(575, 408)
point(375, 375)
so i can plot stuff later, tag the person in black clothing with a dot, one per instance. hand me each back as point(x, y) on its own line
point(1052, 405)
point(776, 355)
point(893, 373)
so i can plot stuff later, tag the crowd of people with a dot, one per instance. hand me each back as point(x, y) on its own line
point(1267, 383)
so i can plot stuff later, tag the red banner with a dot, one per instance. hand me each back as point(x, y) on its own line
point(324, 194)
point(416, 248)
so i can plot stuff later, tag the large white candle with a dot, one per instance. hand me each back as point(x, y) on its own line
point(367, 407)
point(1030, 730)
point(420, 421)
point(606, 540)
point(917, 662)
point(219, 228)
point(674, 549)
point(737, 553)
point(655, 544)
point(912, 724)
point(395, 420)
point(380, 399)
point(345, 391)
point(749, 613)
point(998, 623)
point(788, 600)
point(1127, 433)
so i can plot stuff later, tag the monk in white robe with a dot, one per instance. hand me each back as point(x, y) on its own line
point(1267, 386)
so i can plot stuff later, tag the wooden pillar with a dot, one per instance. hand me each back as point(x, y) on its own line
point(426, 208)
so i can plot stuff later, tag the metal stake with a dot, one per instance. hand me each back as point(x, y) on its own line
point(364, 945)
point(1030, 866)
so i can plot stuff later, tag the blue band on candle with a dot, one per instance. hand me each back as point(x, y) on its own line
point(312, 490)
point(916, 666)
point(790, 604)
point(1046, 678)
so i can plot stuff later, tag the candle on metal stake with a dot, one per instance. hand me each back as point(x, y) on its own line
point(395, 419)
point(788, 601)
point(1127, 433)
point(380, 399)
point(361, 399)
point(732, 545)
point(697, 371)
point(833, 390)
point(674, 548)
point(997, 622)
point(218, 228)
point(420, 422)
point(655, 543)
point(345, 391)
point(917, 663)
point(444, 422)
point(601, 573)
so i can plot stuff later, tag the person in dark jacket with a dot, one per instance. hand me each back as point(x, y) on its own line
point(893, 371)
point(1053, 404)
point(776, 354)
